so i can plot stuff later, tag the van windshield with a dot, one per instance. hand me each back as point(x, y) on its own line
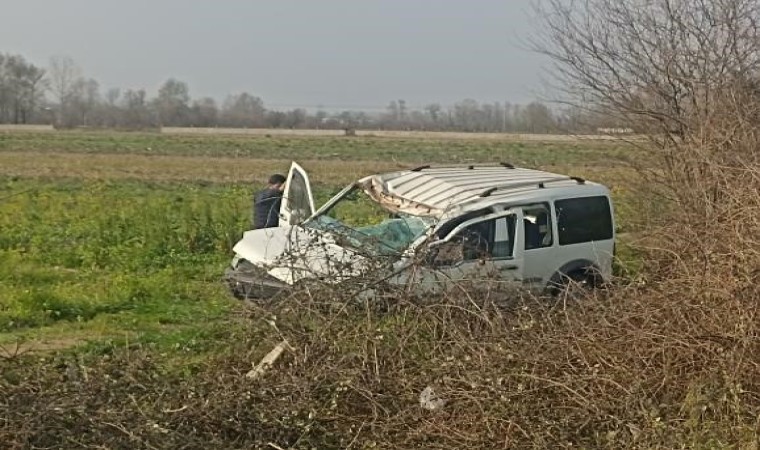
point(358, 222)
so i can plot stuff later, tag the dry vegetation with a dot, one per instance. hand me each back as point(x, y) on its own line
point(669, 361)
point(643, 366)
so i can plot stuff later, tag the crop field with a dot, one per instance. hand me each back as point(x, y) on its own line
point(106, 235)
point(114, 242)
point(115, 237)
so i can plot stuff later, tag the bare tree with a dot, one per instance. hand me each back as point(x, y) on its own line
point(22, 88)
point(659, 64)
point(204, 113)
point(243, 110)
point(402, 109)
point(434, 111)
point(686, 73)
point(173, 103)
point(63, 73)
point(84, 99)
point(466, 115)
point(394, 113)
point(538, 118)
point(295, 118)
point(136, 110)
point(110, 108)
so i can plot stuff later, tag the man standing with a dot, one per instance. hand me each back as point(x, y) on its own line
point(266, 203)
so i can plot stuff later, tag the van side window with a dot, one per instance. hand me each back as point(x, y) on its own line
point(488, 239)
point(478, 240)
point(583, 219)
point(538, 226)
point(450, 225)
point(482, 240)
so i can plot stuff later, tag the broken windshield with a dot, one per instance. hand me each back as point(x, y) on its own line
point(359, 222)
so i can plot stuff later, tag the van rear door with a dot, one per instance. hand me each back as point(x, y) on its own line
point(585, 232)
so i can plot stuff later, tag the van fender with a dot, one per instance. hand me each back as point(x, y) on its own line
point(582, 267)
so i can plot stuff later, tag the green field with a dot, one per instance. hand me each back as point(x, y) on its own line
point(409, 150)
point(113, 244)
point(102, 239)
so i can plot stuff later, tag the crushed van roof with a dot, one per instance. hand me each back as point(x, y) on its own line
point(435, 190)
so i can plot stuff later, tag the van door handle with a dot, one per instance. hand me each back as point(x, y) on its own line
point(508, 268)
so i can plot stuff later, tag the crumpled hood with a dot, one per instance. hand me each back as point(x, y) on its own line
point(264, 245)
point(383, 193)
point(293, 253)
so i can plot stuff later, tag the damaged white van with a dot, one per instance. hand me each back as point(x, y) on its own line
point(428, 227)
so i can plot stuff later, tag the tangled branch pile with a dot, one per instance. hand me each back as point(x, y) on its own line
point(660, 366)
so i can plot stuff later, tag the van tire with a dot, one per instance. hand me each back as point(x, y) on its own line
point(577, 285)
point(579, 277)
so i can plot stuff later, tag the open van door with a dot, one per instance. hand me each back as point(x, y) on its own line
point(297, 202)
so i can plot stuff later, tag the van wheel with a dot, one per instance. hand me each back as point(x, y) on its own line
point(575, 285)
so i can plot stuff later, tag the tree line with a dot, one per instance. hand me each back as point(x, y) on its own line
point(61, 95)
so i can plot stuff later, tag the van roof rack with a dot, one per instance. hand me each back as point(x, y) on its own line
point(541, 184)
point(505, 165)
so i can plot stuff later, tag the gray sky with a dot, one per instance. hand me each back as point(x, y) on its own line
point(352, 54)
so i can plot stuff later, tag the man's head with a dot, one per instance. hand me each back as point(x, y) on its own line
point(277, 181)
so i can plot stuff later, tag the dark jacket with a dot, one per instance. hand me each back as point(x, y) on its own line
point(266, 208)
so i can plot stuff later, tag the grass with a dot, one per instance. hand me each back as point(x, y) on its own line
point(112, 247)
point(116, 331)
point(115, 234)
point(404, 150)
point(103, 259)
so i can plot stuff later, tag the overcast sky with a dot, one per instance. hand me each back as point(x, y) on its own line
point(353, 54)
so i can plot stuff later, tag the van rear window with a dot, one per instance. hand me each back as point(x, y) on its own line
point(583, 219)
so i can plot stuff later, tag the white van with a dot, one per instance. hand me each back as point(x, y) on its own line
point(429, 227)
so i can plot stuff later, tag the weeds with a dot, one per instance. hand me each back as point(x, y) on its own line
point(669, 361)
point(609, 371)
point(405, 150)
point(93, 253)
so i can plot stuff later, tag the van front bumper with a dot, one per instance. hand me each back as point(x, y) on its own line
point(248, 282)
